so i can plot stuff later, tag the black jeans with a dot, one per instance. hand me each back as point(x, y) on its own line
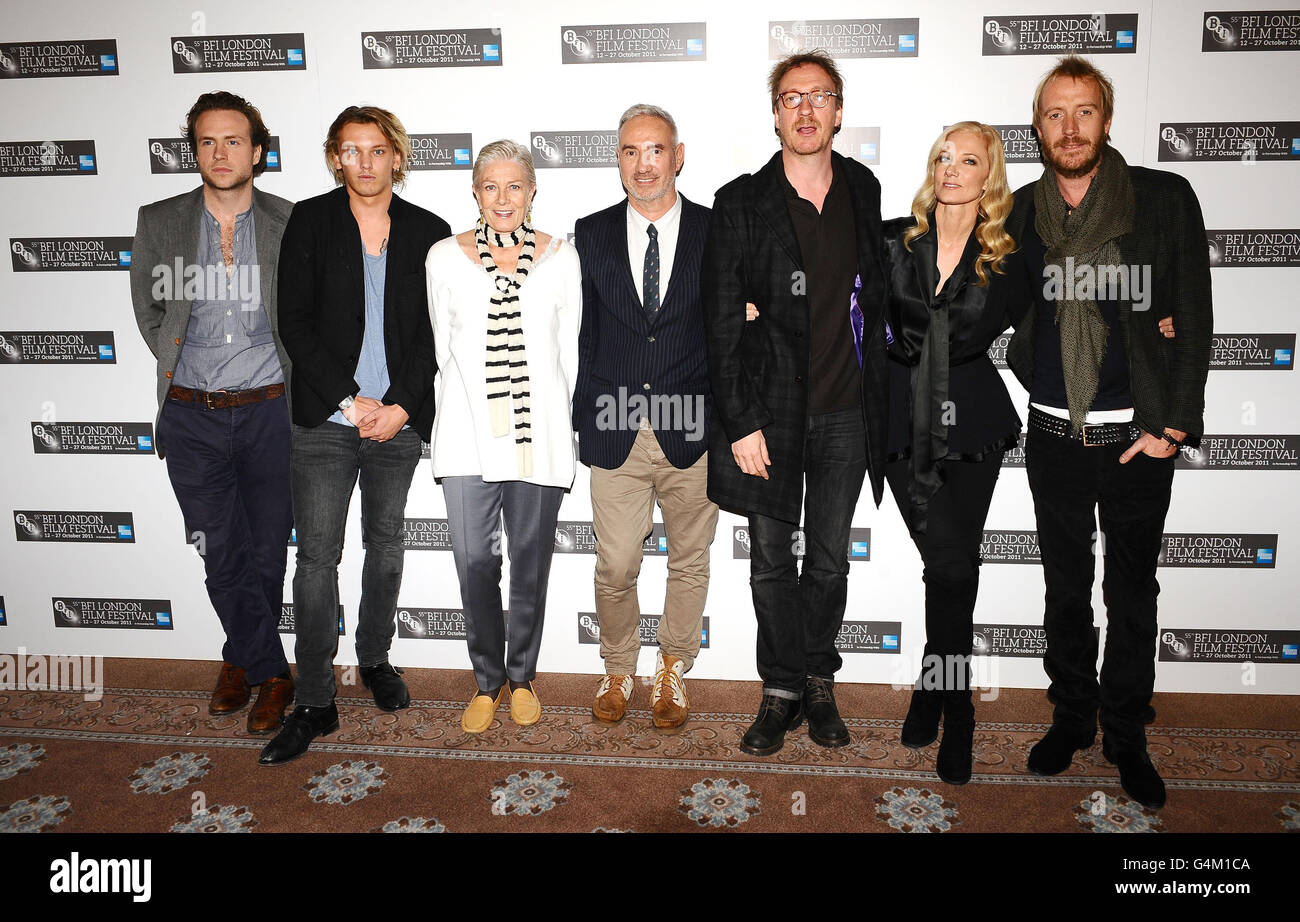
point(1069, 481)
point(327, 461)
point(230, 472)
point(799, 613)
point(950, 550)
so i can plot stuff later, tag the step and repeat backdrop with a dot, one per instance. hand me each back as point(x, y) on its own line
point(93, 96)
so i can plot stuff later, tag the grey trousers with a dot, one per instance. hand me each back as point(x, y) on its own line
point(475, 509)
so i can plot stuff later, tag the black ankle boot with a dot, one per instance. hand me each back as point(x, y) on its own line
point(953, 763)
point(776, 717)
point(921, 725)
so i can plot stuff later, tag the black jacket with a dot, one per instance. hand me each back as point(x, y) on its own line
point(619, 347)
point(322, 307)
point(759, 370)
point(1166, 376)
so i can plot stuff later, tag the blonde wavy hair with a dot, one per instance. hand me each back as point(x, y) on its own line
point(994, 207)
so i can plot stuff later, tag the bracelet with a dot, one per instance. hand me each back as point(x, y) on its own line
point(1171, 440)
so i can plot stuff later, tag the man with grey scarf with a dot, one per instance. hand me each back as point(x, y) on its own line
point(1105, 251)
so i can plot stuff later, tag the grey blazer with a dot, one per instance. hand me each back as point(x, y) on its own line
point(168, 230)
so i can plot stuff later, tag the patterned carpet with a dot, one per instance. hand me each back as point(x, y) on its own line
point(149, 758)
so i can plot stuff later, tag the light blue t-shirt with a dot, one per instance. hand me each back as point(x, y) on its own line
point(372, 364)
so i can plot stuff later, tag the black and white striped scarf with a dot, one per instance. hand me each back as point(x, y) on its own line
point(507, 364)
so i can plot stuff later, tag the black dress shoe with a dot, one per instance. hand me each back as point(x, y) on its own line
point(299, 729)
point(387, 686)
point(1054, 752)
point(776, 717)
point(921, 725)
point(1137, 776)
point(824, 725)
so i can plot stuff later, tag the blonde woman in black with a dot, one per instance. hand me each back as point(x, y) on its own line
point(951, 418)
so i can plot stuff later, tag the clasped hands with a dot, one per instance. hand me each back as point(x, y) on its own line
point(375, 420)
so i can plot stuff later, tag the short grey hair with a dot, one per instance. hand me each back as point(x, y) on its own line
point(643, 108)
point(505, 149)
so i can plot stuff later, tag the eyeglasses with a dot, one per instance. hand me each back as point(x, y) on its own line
point(818, 98)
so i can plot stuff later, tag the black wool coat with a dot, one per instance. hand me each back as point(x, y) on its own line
point(759, 370)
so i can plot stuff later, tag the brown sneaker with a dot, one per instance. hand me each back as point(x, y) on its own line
point(668, 699)
point(268, 711)
point(232, 691)
point(612, 698)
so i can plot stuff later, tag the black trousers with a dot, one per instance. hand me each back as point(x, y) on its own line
point(1071, 484)
point(950, 551)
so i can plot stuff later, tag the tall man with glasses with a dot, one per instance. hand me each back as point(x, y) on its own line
point(642, 342)
point(223, 417)
point(355, 319)
point(1111, 400)
point(793, 396)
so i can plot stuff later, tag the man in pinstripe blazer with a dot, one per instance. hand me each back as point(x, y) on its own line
point(640, 406)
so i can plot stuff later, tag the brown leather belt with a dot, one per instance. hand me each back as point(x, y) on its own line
point(1094, 436)
point(225, 400)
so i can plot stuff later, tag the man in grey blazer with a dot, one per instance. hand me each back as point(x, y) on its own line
point(203, 286)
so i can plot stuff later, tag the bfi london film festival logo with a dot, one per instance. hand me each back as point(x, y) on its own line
point(432, 623)
point(1015, 456)
point(94, 527)
point(441, 152)
point(70, 254)
point(92, 438)
point(869, 637)
point(859, 550)
point(431, 48)
point(48, 158)
point(1019, 143)
point(1219, 142)
point(1012, 640)
point(1251, 30)
point(574, 538)
point(1217, 645)
point(863, 144)
point(1096, 33)
point(55, 347)
point(1248, 551)
point(647, 629)
point(574, 149)
point(175, 155)
point(1230, 249)
point(141, 614)
point(633, 42)
point(288, 625)
point(89, 58)
point(426, 535)
point(192, 54)
point(1253, 351)
point(844, 38)
point(1242, 452)
point(1009, 546)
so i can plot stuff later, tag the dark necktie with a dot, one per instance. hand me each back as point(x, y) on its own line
point(650, 275)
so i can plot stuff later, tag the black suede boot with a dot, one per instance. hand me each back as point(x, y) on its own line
point(955, 758)
point(921, 725)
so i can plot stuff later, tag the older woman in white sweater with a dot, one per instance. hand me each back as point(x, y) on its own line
point(505, 301)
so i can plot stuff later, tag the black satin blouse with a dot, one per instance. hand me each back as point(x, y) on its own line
point(947, 399)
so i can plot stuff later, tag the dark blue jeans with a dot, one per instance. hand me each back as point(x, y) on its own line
point(230, 472)
point(1071, 483)
point(327, 461)
point(800, 613)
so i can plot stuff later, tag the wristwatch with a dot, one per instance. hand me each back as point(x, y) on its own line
point(347, 402)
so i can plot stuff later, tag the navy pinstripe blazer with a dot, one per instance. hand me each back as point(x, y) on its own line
point(625, 357)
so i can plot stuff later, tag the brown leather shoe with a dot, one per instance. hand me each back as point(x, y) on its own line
point(268, 711)
point(612, 697)
point(232, 691)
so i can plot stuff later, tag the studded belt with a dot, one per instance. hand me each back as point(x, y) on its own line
point(1093, 436)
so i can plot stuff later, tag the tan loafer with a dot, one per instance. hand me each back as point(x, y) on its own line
point(525, 709)
point(668, 700)
point(613, 696)
point(482, 708)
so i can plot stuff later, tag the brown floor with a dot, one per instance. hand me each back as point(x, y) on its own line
point(148, 758)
